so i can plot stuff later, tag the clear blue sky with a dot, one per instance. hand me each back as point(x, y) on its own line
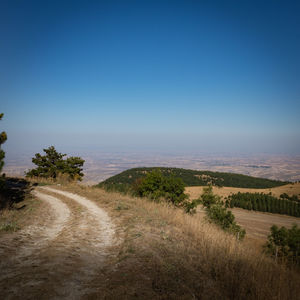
point(191, 75)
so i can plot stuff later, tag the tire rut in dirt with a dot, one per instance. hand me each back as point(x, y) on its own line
point(82, 247)
point(65, 266)
point(21, 251)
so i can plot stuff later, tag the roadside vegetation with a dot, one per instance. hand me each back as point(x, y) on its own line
point(20, 214)
point(17, 205)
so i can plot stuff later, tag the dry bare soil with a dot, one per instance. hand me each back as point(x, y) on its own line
point(71, 231)
point(84, 243)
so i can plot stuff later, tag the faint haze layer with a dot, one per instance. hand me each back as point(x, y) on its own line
point(220, 76)
point(101, 165)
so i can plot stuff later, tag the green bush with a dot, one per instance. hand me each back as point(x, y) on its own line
point(208, 198)
point(191, 206)
point(156, 186)
point(225, 219)
point(284, 244)
point(219, 214)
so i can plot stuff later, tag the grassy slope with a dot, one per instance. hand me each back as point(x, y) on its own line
point(194, 178)
point(166, 254)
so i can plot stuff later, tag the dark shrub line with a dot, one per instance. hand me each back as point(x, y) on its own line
point(265, 203)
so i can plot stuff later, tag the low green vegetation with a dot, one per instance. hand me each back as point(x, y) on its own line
point(156, 186)
point(124, 181)
point(284, 244)
point(9, 227)
point(266, 203)
point(219, 214)
point(53, 165)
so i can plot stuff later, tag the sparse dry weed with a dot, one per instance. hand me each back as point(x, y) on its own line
point(18, 216)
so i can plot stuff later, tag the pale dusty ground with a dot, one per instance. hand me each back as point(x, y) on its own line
point(60, 254)
point(257, 224)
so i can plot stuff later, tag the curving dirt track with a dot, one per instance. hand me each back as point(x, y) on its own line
point(61, 254)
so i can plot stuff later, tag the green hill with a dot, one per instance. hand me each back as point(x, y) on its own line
point(125, 179)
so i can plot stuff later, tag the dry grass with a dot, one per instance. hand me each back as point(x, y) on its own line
point(19, 216)
point(166, 254)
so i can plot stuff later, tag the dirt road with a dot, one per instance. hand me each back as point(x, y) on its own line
point(60, 254)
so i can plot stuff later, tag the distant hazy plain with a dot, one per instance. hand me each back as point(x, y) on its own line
point(101, 165)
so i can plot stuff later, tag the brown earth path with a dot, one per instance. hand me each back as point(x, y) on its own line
point(59, 255)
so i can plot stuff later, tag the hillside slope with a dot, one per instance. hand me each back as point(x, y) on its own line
point(193, 178)
point(159, 253)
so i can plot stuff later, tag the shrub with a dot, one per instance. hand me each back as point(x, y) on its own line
point(219, 214)
point(208, 198)
point(284, 244)
point(190, 207)
point(156, 186)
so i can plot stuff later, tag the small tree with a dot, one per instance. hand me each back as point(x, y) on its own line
point(208, 198)
point(73, 167)
point(53, 164)
point(284, 244)
point(3, 138)
point(156, 186)
point(218, 213)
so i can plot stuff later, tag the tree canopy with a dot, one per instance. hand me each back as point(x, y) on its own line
point(53, 164)
point(190, 178)
point(284, 244)
point(285, 204)
point(157, 186)
point(3, 138)
point(219, 214)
